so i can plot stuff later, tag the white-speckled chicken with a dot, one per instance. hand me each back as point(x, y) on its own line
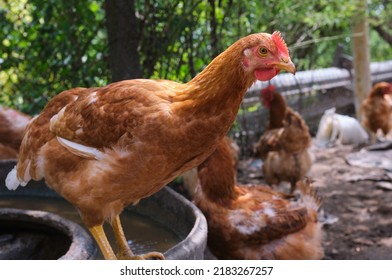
point(255, 222)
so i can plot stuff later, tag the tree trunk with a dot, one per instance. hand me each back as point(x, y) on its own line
point(213, 24)
point(121, 24)
point(361, 52)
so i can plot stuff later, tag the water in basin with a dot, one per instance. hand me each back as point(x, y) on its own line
point(143, 234)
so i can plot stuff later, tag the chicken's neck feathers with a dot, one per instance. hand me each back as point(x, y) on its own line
point(220, 86)
point(277, 111)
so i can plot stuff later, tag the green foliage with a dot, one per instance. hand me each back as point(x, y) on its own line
point(311, 28)
point(380, 13)
point(176, 40)
point(49, 46)
point(379, 51)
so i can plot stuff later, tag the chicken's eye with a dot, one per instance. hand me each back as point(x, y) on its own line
point(263, 51)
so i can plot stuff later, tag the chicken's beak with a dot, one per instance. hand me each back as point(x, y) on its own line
point(286, 64)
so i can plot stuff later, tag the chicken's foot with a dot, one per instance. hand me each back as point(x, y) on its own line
point(124, 252)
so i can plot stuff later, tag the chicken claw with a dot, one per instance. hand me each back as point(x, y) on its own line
point(150, 255)
point(126, 254)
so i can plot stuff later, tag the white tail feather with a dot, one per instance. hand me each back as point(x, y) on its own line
point(80, 150)
point(12, 182)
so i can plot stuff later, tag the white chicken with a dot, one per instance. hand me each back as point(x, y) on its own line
point(335, 128)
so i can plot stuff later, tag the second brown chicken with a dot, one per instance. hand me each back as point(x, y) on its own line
point(284, 146)
point(255, 222)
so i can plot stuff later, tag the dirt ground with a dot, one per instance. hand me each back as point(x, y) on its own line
point(356, 187)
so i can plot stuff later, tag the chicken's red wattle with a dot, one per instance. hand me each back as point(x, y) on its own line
point(266, 73)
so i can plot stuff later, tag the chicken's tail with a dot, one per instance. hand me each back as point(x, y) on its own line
point(309, 197)
point(12, 181)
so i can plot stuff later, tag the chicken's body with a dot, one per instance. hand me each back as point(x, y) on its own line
point(282, 166)
point(105, 148)
point(284, 147)
point(143, 153)
point(255, 222)
point(376, 110)
point(12, 127)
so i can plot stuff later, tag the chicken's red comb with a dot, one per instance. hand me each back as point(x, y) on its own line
point(279, 42)
point(268, 89)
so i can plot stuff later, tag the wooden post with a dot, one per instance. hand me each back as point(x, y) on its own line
point(361, 55)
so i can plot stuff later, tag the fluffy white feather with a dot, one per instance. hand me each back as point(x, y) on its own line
point(12, 182)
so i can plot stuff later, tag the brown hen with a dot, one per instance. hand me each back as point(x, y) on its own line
point(377, 111)
point(105, 148)
point(255, 222)
point(284, 146)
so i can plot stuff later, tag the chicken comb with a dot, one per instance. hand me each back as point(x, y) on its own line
point(279, 42)
point(268, 89)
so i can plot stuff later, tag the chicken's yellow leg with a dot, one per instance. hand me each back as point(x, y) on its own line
point(103, 243)
point(124, 252)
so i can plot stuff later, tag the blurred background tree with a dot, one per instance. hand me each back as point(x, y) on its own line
point(50, 46)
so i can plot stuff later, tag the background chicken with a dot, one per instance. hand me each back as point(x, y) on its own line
point(255, 222)
point(376, 110)
point(336, 128)
point(105, 148)
point(12, 126)
point(284, 146)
